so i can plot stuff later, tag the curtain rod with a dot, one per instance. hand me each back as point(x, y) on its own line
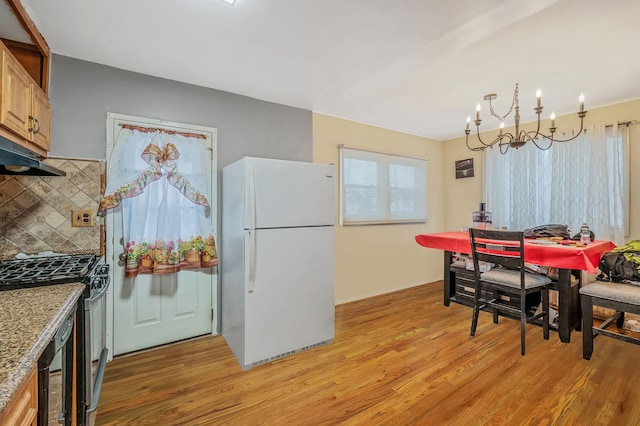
point(624, 123)
point(145, 129)
point(342, 146)
point(620, 123)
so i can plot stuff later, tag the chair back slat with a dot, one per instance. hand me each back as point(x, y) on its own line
point(504, 248)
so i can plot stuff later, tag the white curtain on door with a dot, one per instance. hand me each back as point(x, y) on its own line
point(162, 184)
point(573, 182)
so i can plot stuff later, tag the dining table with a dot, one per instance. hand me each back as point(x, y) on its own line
point(568, 257)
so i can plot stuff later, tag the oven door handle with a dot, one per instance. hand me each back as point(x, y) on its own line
point(95, 392)
point(104, 288)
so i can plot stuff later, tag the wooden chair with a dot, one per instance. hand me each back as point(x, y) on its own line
point(506, 250)
point(619, 297)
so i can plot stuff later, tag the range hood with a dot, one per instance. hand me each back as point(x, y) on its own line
point(17, 160)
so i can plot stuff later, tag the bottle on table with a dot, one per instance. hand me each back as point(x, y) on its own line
point(585, 234)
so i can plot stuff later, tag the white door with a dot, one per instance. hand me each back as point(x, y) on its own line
point(151, 310)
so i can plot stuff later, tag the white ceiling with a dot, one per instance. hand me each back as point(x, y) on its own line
point(418, 66)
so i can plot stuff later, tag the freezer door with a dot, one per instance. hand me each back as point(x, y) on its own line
point(281, 193)
point(290, 304)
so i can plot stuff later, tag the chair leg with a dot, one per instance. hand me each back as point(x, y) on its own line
point(523, 321)
point(476, 310)
point(474, 321)
point(545, 316)
point(494, 295)
point(620, 320)
point(587, 326)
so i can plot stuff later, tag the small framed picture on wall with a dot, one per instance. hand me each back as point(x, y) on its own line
point(464, 168)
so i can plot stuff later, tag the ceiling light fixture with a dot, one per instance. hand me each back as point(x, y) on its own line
point(518, 138)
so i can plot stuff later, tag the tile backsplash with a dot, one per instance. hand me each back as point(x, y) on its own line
point(35, 212)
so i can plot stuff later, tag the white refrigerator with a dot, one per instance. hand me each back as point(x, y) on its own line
point(277, 258)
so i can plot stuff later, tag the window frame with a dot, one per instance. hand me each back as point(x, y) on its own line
point(383, 214)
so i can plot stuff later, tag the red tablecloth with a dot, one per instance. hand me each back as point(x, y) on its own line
point(557, 255)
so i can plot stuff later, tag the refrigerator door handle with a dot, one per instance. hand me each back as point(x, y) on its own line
point(250, 202)
point(252, 260)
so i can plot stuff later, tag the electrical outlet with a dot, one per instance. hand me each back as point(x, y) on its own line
point(83, 217)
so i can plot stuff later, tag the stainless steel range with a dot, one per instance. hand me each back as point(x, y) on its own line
point(90, 330)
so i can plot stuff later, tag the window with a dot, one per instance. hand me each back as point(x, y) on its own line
point(378, 188)
point(585, 180)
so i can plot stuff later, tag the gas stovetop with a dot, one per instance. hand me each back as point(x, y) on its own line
point(39, 271)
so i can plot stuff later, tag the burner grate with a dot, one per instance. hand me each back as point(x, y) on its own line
point(45, 270)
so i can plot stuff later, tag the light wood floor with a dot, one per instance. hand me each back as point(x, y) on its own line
point(399, 359)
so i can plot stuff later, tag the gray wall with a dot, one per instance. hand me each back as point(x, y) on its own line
point(83, 92)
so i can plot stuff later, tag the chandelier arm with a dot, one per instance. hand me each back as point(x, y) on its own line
point(477, 148)
point(480, 139)
point(531, 135)
point(508, 135)
point(578, 133)
point(551, 140)
point(506, 145)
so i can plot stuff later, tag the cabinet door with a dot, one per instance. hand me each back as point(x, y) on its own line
point(41, 113)
point(16, 97)
point(22, 409)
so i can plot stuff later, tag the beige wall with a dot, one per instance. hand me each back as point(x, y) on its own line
point(377, 259)
point(462, 196)
point(372, 260)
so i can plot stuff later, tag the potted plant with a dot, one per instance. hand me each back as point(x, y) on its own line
point(160, 252)
point(209, 249)
point(145, 255)
point(174, 257)
point(196, 245)
point(132, 255)
point(183, 247)
point(208, 253)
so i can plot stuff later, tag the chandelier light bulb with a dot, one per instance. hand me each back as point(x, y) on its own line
point(478, 111)
point(553, 119)
point(538, 96)
point(581, 100)
point(468, 121)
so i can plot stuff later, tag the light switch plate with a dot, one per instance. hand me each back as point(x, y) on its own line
point(82, 217)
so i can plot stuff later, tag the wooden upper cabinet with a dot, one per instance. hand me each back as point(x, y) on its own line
point(40, 118)
point(15, 97)
point(24, 83)
point(24, 107)
point(32, 60)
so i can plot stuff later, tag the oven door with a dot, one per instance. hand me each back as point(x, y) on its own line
point(54, 389)
point(95, 339)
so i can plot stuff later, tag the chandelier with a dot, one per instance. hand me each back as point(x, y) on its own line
point(518, 138)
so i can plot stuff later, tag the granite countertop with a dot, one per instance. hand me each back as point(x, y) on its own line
point(28, 320)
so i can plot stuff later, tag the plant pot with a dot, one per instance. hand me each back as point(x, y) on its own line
point(192, 256)
point(145, 262)
point(131, 264)
point(206, 258)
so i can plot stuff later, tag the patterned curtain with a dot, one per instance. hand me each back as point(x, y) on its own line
point(161, 184)
point(571, 183)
